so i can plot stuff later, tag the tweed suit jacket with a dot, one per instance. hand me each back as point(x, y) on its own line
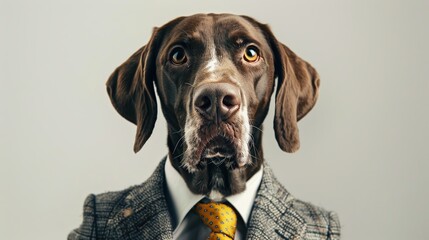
point(142, 212)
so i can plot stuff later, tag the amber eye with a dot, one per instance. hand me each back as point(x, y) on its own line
point(251, 54)
point(178, 56)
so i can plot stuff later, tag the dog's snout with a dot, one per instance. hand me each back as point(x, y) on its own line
point(217, 101)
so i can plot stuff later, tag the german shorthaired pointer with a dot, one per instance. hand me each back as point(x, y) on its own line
point(214, 75)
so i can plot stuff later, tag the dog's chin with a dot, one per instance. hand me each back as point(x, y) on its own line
point(218, 178)
point(219, 172)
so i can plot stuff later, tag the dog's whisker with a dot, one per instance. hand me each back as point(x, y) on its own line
point(191, 85)
point(252, 143)
point(180, 155)
point(260, 129)
point(178, 131)
point(178, 142)
point(183, 162)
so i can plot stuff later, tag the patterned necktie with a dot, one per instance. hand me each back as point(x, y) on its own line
point(220, 218)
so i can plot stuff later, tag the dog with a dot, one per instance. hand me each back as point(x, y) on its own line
point(214, 75)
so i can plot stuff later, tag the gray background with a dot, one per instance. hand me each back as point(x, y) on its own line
point(363, 147)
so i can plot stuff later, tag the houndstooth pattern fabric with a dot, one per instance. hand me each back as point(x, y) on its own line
point(141, 212)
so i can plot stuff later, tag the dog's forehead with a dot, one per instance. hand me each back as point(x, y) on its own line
point(223, 27)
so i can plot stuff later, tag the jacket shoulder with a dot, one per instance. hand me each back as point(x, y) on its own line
point(97, 210)
point(294, 218)
point(319, 222)
point(105, 214)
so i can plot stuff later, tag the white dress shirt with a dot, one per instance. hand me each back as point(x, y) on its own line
point(189, 225)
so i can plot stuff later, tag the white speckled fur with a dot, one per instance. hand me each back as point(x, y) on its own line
point(213, 63)
point(192, 140)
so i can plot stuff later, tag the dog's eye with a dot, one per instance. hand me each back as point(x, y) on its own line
point(178, 56)
point(251, 54)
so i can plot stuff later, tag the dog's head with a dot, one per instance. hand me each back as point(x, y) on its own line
point(214, 75)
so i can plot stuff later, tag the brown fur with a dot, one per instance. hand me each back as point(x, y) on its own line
point(131, 89)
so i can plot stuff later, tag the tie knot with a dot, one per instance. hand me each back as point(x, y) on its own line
point(219, 217)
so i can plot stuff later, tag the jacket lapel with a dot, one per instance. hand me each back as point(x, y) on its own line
point(272, 216)
point(145, 214)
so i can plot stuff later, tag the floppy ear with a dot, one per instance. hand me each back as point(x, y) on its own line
point(131, 90)
point(297, 92)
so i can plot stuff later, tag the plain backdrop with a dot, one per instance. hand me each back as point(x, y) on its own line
point(364, 147)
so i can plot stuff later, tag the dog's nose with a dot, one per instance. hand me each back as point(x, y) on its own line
point(217, 101)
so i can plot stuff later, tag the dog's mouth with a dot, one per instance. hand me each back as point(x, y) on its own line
point(218, 147)
point(224, 145)
point(219, 151)
point(216, 156)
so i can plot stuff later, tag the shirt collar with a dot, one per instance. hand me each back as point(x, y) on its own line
point(183, 199)
point(243, 202)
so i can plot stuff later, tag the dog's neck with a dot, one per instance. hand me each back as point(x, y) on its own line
point(176, 152)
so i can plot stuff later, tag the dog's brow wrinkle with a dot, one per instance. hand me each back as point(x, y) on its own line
point(185, 34)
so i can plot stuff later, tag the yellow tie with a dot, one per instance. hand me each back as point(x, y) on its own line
point(220, 218)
